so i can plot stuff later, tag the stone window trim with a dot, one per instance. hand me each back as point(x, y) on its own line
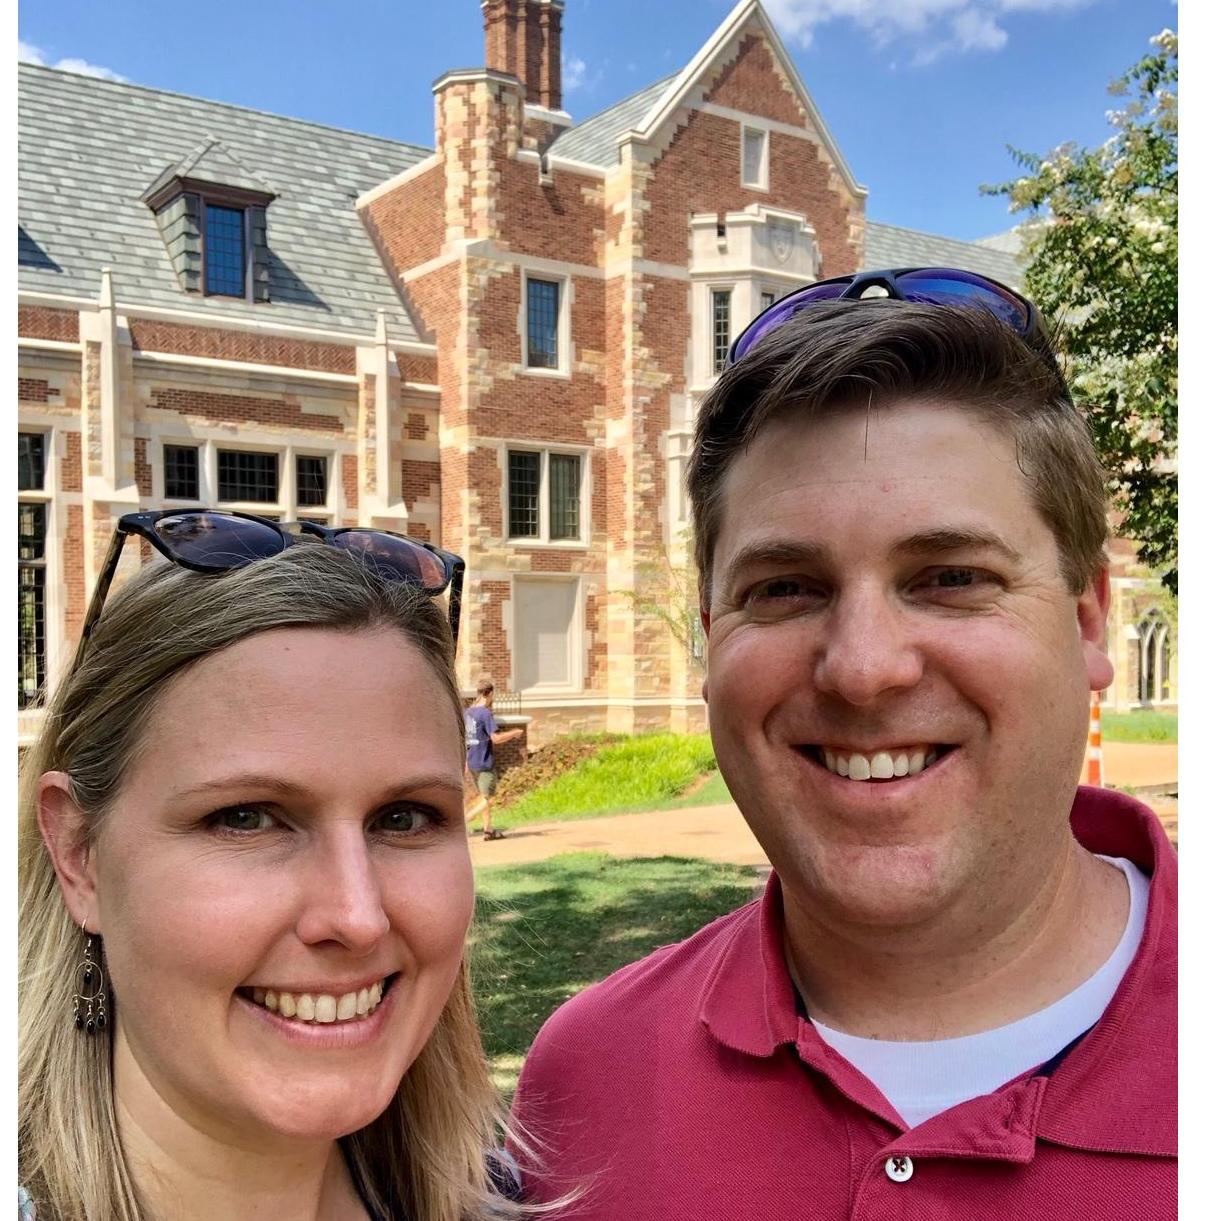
point(286, 506)
point(576, 634)
point(563, 366)
point(198, 196)
point(1154, 660)
point(543, 539)
point(721, 329)
point(755, 155)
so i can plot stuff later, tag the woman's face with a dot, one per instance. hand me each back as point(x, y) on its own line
point(292, 824)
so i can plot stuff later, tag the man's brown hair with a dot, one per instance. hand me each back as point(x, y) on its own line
point(853, 355)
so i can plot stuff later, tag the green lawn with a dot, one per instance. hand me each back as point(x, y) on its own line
point(544, 931)
point(1141, 726)
point(642, 773)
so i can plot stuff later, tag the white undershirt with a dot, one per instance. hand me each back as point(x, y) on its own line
point(925, 1078)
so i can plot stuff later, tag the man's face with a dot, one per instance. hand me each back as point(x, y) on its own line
point(885, 598)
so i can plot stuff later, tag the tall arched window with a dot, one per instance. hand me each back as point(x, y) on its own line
point(1154, 684)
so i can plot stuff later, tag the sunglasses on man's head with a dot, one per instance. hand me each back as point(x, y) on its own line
point(218, 540)
point(929, 285)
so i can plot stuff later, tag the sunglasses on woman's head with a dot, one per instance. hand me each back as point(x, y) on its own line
point(929, 285)
point(218, 540)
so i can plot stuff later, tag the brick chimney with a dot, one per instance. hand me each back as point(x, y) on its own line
point(522, 38)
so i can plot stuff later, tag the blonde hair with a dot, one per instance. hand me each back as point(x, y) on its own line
point(426, 1155)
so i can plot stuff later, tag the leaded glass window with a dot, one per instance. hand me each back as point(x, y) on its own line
point(525, 471)
point(564, 479)
point(720, 328)
point(542, 324)
point(225, 251)
point(181, 472)
point(247, 476)
point(31, 603)
point(311, 480)
point(31, 461)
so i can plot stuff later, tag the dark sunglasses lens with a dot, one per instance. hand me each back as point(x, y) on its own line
point(216, 541)
point(945, 286)
point(395, 558)
point(779, 313)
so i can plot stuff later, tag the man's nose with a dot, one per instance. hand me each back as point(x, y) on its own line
point(868, 649)
point(343, 898)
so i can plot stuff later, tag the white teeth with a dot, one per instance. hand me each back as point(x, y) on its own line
point(858, 768)
point(319, 1007)
point(881, 766)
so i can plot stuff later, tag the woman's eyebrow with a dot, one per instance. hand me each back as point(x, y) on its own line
point(287, 788)
point(772, 552)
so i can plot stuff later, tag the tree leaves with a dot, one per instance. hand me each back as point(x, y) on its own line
point(1102, 261)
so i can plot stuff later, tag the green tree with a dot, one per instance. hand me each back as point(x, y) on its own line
point(1101, 255)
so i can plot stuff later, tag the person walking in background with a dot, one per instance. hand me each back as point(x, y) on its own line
point(481, 736)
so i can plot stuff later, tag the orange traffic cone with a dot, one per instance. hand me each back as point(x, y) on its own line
point(1093, 773)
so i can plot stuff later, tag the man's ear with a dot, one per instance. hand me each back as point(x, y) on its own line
point(62, 823)
point(1092, 608)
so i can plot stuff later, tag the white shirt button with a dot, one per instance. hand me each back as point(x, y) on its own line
point(900, 1169)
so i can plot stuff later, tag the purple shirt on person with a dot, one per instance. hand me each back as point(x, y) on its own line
point(480, 726)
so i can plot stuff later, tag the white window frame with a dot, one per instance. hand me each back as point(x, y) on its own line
point(285, 506)
point(764, 157)
point(576, 636)
point(543, 538)
point(563, 335)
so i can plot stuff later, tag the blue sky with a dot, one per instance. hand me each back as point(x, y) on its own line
point(921, 95)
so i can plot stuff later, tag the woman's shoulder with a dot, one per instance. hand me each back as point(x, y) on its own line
point(25, 1206)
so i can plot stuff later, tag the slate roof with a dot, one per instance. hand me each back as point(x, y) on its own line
point(891, 246)
point(595, 141)
point(89, 149)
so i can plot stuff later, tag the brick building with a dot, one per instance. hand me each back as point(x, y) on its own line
point(497, 344)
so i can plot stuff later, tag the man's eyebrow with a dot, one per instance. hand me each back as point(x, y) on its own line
point(772, 553)
point(938, 542)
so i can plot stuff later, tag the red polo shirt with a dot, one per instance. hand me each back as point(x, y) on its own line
point(687, 1086)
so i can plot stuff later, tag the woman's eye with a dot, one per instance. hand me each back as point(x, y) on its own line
point(408, 819)
point(244, 818)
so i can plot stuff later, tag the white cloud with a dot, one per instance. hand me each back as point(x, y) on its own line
point(574, 72)
point(934, 27)
point(27, 53)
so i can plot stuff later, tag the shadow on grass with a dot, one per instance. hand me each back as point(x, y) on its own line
point(546, 930)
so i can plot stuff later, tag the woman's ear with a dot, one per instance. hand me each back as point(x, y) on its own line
point(63, 826)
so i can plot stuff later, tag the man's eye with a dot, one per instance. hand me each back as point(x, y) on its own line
point(244, 818)
point(780, 588)
point(955, 578)
point(951, 579)
point(407, 819)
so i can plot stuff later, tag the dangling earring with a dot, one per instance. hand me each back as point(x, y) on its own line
point(89, 1003)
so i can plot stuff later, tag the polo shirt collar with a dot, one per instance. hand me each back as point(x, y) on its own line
point(1108, 1093)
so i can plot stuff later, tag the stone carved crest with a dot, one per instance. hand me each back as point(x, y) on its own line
point(780, 239)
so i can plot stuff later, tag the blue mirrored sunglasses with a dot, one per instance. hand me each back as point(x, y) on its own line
point(929, 285)
point(220, 540)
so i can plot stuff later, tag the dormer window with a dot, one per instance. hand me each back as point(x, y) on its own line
point(212, 213)
point(224, 251)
